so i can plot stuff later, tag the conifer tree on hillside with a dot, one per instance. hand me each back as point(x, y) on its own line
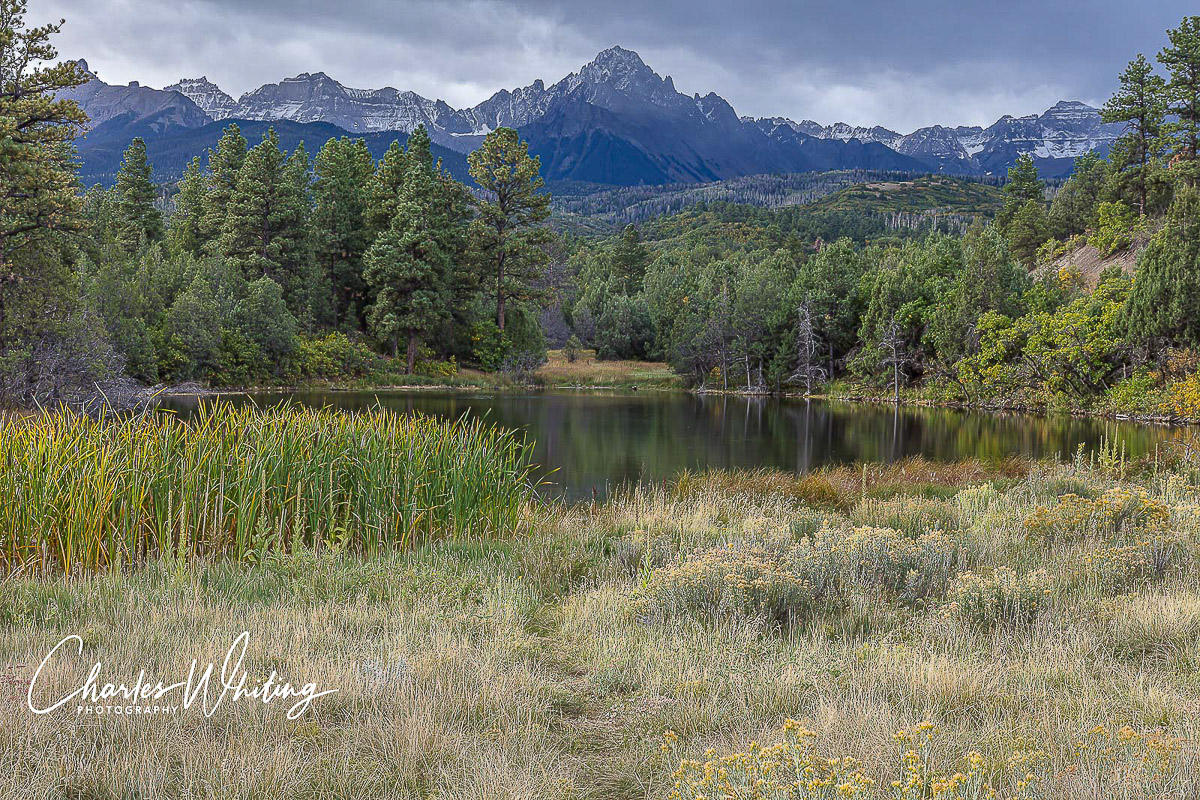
point(1163, 307)
point(344, 169)
point(508, 234)
point(1182, 60)
point(629, 260)
point(1023, 217)
point(1140, 103)
point(408, 265)
point(140, 222)
point(224, 167)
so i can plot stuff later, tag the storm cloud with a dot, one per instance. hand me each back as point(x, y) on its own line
point(898, 64)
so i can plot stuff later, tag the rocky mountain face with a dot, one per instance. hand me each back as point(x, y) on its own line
point(158, 110)
point(207, 95)
point(1055, 138)
point(617, 121)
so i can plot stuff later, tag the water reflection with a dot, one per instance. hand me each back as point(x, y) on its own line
point(597, 440)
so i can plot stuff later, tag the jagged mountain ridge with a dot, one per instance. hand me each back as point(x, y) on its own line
point(616, 121)
point(156, 109)
point(1063, 132)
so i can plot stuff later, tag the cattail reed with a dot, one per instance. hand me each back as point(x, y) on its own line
point(79, 494)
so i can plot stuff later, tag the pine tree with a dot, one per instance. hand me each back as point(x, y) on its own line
point(1027, 231)
point(224, 166)
point(1073, 209)
point(344, 168)
point(1182, 60)
point(383, 190)
point(508, 233)
point(1140, 103)
point(309, 289)
point(140, 223)
point(184, 234)
point(264, 231)
point(1163, 307)
point(1023, 217)
point(629, 260)
point(408, 265)
point(1023, 185)
point(38, 187)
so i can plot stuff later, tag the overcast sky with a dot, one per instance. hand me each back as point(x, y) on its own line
point(898, 63)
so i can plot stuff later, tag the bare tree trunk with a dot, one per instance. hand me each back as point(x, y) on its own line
point(500, 294)
point(412, 353)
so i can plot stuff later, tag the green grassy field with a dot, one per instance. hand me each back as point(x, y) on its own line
point(1032, 629)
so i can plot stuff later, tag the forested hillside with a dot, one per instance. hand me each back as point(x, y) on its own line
point(270, 263)
point(899, 286)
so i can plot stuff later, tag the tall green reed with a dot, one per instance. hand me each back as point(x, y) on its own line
point(79, 494)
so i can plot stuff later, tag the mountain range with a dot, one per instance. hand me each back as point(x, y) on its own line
point(614, 122)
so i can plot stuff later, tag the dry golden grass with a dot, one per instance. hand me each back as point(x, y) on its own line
point(530, 668)
point(587, 370)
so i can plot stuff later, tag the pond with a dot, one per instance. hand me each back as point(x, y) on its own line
point(595, 441)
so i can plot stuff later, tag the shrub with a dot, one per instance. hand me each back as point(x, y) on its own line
point(489, 345)
point(520, 367)
point(572, 348)
point(336, 357)
point(1139, 393)
point(743, 580)
point(912, 515)
point(884, 558)
point(1125, 566)
point(1003, 596)
point(1118, 512)
point(1114, 228)
point(1185, 396)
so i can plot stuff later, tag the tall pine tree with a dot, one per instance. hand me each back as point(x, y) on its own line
point(264, 231)
point(38, 187)
point(1140, 103)
point(139, 222)
point(344, 169)
point(408, 265)
point(1163, 307)
point(184, 235)
point(1182, 60)
point(224, 166)
point(383, 190)
point(507, 233)
point(1023, 216)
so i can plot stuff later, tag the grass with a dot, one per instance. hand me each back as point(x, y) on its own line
point(588, 371)
point(83, 494)
point(1030, 627)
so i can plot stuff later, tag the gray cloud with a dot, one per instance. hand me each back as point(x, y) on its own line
point(899, 64)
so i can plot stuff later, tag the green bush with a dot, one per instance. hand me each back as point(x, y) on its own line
point(336, 357)
point(489, 345)
point(1114, 228)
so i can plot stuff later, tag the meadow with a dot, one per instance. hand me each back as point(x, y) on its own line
point(914, 630)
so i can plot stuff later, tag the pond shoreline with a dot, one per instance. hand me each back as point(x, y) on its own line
point(194, 390)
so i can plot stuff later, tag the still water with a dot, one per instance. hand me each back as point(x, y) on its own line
point(596, 441)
